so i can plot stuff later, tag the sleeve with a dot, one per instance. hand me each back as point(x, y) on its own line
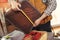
point(20, 0)
point(51, 6)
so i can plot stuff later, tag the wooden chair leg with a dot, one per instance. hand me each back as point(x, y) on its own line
point(1, 31)
point(3, 21)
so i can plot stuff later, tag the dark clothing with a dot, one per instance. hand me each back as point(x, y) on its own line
point(43, 27)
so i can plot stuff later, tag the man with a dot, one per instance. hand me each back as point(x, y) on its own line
point(51, 5)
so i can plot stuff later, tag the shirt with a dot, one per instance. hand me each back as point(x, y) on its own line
point(51, 6)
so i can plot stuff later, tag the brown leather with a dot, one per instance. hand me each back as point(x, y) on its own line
point(40, 6)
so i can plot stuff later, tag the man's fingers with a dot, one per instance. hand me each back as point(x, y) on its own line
point(19, 4)
point(34, 25)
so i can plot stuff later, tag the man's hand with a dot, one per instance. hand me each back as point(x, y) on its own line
point(37, 22)
point(14, 5)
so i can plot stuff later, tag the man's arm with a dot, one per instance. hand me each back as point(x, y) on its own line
point(51, 6)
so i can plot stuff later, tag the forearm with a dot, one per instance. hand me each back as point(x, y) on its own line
point(51, 6)
point(49, 9)
point(43, 16)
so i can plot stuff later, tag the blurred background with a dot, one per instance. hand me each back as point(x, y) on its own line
point(56, 15)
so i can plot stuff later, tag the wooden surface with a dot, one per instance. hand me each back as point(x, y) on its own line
point(3, 1)
point(39, 5)
point(1, 30)
point(11, 28)
point(4, 5)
